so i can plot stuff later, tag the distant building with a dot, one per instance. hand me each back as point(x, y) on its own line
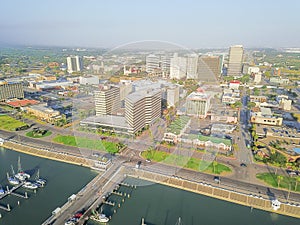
point(260, 99)
point(234, 84)
point(192, 66)
point(235, 60)
point(9, 90)
point(198, 104)
point(285, 104)
point(89, 80)
point(209, 68)
point(257, 78)
point(279, 80)
point(152, 63)
point(142, 108)
point(107, 100)
point(178, 67)
point(74, 64)
point(253, 70)
point(172, 95)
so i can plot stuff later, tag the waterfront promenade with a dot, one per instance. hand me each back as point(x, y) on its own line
point(214, 191)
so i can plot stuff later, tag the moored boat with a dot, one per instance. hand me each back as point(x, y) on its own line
point(30, 185)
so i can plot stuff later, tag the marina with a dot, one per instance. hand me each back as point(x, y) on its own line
point(55, 187)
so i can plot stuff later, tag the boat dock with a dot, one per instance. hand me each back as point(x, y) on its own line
point(11, 192)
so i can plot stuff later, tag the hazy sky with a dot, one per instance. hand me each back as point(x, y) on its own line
point(191, 23)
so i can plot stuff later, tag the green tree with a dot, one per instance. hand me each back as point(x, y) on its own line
point(297, 181)
point(214, 163)
point(279, 178)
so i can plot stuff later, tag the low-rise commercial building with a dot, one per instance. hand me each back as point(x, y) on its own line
point(265, 116)
point(44, 113)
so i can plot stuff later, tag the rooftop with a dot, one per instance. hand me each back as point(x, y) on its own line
point(108, 120)
point(198, 96)
point(178, 124)
point(22, 103)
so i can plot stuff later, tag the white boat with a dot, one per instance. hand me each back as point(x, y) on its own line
point(30, 185)
point(21, 175)
point(11, 179)
point(276, 204)
point(102, 218)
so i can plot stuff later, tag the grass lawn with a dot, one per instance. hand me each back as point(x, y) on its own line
point(33, 135)
point(186, 162)
point(9, 123)
point(81, 142)
point(286, 182)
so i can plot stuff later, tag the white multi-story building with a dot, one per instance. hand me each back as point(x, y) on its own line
point(10, 90)
point(235, 60)
point(172, 95)
point(198, 104)
point(152, 63)
point(142, 108)
point(192, 66)
point(178, 67)
point(74, 64)
point(107, 100)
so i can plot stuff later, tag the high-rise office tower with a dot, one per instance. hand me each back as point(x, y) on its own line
point(208, 68)
point(192, 65)
point(107, 100)
point(10, 90)
point(152, 63)
point(142, 108)
point(235, 60)
point(178, 67)
point(74, 64)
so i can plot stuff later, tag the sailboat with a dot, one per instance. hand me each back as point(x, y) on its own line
point(39, 181)
point(21, 175)
point(12, 179)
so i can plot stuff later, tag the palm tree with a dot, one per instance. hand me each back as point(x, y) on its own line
point(214, 163)
point(279, 178)
point(297, 181)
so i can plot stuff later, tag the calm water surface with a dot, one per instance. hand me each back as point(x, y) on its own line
point(162, 205)
point(63, 180)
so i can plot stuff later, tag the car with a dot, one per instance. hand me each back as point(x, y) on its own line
point(138, 165)
point(243, 165)
point(217, 179)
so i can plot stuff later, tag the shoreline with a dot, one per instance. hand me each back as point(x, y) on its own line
point(75, 160)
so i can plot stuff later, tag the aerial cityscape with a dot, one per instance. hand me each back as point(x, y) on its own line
point(108, 119)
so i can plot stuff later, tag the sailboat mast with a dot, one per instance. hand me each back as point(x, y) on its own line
point(19, 165)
